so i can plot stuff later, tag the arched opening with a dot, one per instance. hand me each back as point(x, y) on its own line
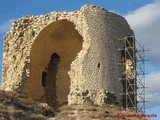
point(52, 53)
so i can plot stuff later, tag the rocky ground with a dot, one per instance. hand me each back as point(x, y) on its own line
point(14, 108)
point(108, 112)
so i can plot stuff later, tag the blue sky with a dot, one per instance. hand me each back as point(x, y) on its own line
point(142, 15)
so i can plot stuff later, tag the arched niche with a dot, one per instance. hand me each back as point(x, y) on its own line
point(52, 53)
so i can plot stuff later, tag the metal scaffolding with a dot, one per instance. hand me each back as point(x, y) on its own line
point(140, 68)
point(133, 74)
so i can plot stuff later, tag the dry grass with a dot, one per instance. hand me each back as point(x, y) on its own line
point(14, 108)
point(83, 112)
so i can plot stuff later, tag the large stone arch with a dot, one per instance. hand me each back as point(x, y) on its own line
point(52, 52)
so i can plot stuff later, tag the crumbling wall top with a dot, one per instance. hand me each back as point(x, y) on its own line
point(95, 65)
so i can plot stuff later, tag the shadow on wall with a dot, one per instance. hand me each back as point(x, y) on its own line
point(49, 79)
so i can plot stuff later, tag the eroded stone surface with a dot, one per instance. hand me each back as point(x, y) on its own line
point(87, 39)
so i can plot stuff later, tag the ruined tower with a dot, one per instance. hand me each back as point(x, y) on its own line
point(67, 57)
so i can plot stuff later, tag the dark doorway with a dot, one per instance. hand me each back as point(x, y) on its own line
point(50, 82)
point(44, 78)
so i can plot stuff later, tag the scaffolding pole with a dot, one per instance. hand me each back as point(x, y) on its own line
point(140, 66)
point(128, 64)
point(133, 74)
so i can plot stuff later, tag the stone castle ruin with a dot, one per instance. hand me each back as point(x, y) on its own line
point(69, 58)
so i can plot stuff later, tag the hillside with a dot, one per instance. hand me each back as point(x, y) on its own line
point(14, 108)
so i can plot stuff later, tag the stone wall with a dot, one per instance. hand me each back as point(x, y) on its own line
point(87, 39)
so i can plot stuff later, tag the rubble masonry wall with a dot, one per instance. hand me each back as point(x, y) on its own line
point(93, 71)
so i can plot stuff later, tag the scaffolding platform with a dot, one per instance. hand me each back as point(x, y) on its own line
point(133, 74)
